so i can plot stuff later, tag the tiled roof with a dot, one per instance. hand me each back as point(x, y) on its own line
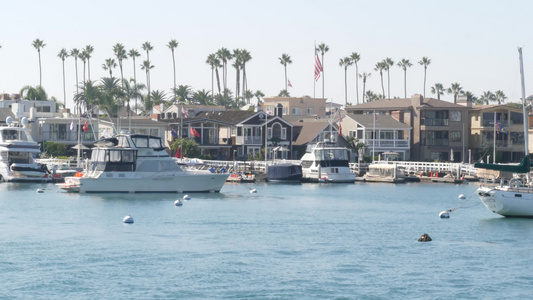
point(404, 103)
point(308, 130)
point(382, 121)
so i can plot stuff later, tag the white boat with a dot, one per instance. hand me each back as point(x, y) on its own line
point(515, 198)
point(326, 162)
point(139, 163)
point(58, 167)
point(17, 151)
point(379, 172)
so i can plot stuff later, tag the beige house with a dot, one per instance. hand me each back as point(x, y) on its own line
point(298, 106)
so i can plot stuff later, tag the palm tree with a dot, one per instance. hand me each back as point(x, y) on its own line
point(285, 59)
point(120, 54)
point(456, 90)
point(88, 51)
point(75, 53)
point(173, 44)
point(148, 47)
point(212, 61)
point(258, 94)
point(237, 64)
point(387, 63)
point(89, 97)
point(487, 97)
point(63, 54)
point(425, 62)
point(323, 48)
point(184, 93)
point(404, 64)
point(345, 63)
point(147, 66)
point(133, 91)
point(499, 96)
point(133, 53)
point(380, 66)
point(364, 76)
point(224, 55)
point(284, 93)
point(83, 57)
point(201, 97)
point(33, 93)
point(371, 96)
point(109, 64)
point(39, 44)
point(471, 97)
point(355, 57)
point(245, 57)
point(438, 89)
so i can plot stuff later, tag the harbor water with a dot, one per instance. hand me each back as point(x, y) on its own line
point(287, 241)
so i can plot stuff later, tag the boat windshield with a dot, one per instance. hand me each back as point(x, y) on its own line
point(13, 134)
point(146, 141)
point(331, 154)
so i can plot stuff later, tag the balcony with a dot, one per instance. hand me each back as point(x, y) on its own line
point(249, 140)
point(435, 122)
point(391, 144)
point(67, 136)
point(435, 142)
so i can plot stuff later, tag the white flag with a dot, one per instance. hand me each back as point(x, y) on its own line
point(72, 126)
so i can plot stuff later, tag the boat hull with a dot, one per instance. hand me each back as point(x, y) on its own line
point(124, 182)
point(508, 202)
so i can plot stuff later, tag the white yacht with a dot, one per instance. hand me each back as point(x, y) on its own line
point(17, 151)
point(326, 162)
point(139, 163)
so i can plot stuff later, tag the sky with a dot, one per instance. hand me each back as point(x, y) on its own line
point(473, 43)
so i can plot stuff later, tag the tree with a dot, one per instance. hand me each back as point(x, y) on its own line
point(237, 64)
point(33, 93)
point(212, 61)
point(39, 44)
point(380, 66)
point(63, 54)
point(147, 66)
point(148, 47)
point(456, 90)
point(83, 57)
point(487, 97)
point(425, 62)
point(371, 96)
point(404, 64)
point(364, 76)
point(111, 96)
point(387, 63)
point(323, 48)
point(345, 63)
point(471, 97)
point(190, 147)
point(224, 55)
point(133, 53)
point(88, 54)
point(201, 98)
point(245, 58)
point(184, 93)
point(120, 54)
point(285, 60)
point(284, 93)
point(173, 44)
point(438, 89)
point(75, 52)
point(500, 96)
point(89, 96)
point(258, 94)
point(133, 90)
point(355, 57)
point(109, 64)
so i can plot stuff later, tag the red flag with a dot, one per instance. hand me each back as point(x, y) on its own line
point(194, 132)
point(340, 129)
point(318, 66)
point(178, 153)
point(85, 127)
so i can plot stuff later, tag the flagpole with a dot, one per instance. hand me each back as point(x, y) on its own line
point(181, 133)
point(314, 80)
point(79, 136)
point(373, 136)
point(494, 147)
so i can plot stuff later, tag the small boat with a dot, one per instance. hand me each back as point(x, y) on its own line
point(17, 151)
point(139, 163)
point(326, 162)
point(384, 173)
point(284, 173)
point(243, 178)
point(514, 199)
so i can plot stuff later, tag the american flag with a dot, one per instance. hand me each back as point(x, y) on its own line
point(289, 83)
point(497, 128)
point(318, 66)
point(184, 111)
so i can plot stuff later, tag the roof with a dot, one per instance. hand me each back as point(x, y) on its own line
point(4, 113)
point(308, 130)
point(495, 106)
point(404, 103)
point(228, 116)
point(382, 121)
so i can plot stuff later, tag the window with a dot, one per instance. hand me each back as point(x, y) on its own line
point(309, 111)
point(456, 116)
point(295, 111)
point(283, 133)
point(455, 136)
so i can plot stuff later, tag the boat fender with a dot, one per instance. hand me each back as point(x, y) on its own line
point(186, 197)
point(40, 191)
point(444, 215)
point(178, 203)
point(462, 197)
point(425, 238)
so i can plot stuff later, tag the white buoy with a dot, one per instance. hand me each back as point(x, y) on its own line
point(186, 197)
point(40, 191)
point(178, 202)
point(253, 191)
point(462, 197)
point(128, 219)
point(444, 215)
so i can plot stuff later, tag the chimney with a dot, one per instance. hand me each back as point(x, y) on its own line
point(279, 110)
point(464, 100)
point(417, 100)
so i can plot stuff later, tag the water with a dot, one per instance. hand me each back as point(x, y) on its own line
point(311, 241)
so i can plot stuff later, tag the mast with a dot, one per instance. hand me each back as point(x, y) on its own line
point(524, 104)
